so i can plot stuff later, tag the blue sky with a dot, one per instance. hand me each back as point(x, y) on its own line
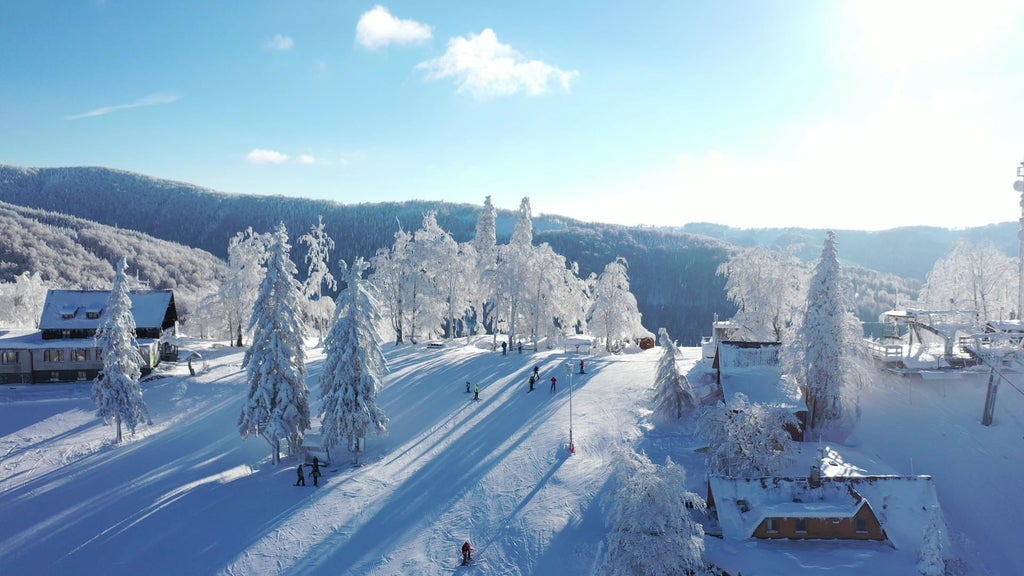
point(864, 115)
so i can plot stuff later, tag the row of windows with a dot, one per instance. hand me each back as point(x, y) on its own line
point(56, 355)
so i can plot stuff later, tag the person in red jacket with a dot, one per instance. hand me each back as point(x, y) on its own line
point(467, 553)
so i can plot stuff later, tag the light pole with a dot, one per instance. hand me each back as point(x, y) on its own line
point(1018, 185)
point(568, 370)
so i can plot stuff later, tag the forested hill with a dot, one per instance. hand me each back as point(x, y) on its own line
point(673, 272)
point(71, 252)
point(909, 251)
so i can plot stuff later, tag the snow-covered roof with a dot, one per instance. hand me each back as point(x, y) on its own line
point(902, 504)
point(752, 369)
point(85, 309)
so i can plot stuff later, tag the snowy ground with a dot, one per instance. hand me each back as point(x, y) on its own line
point(188, 496)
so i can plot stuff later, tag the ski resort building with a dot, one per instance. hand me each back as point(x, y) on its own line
point(64, 349)
point(882, 508)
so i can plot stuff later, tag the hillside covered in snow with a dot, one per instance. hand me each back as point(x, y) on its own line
point(187, 495)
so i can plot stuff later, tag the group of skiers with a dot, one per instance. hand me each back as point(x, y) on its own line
point(315, 473)
point(534, 378)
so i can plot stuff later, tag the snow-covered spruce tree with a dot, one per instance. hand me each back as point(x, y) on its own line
point(768, 287)
point(354, 367)
point(650, 531)
point(436, 256)
point(613, 313)
point(746, 440)
point(827, 358)
point(318, 310)
point(116, 390)
point(673, 396)
point(277, 406)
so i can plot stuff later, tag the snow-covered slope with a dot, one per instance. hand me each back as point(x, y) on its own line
point(188, 496)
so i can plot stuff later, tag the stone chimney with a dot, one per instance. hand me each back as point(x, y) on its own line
point(815, 478)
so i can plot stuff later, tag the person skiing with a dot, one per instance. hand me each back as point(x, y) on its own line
point(553, 383)
point(532, 380)
point(302, 476)
point(476, 392)
point(504, 348)
point(467, 553)
point(536, 371)
point(467, 387)
point(520, 347)
point(315, 473)
point(581, 367)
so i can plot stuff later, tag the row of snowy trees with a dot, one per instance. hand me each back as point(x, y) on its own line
point(431, 286)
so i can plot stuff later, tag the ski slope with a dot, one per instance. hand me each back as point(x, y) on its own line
point(188, 496)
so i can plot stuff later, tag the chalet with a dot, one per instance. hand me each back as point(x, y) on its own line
point(891, 509)
point(753, 369)
point(64, 350)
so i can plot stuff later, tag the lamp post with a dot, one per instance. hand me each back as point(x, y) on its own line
point(1018, 185)
point(568, 370)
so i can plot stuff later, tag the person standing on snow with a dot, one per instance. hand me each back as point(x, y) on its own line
point(467, 387)
point(476, 392)
point(581, 367)
point(504, 347)
point(553, 383)
point(316, 472)
point(302, 476)
point(532, 380)
point(467, 553)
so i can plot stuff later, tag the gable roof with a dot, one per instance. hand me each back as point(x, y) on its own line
point(70, 309)
point(902, 504)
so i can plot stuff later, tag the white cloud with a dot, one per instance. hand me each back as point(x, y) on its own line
point(377, 28)
point(306, 159)
point(148, 100)
point(261, 156)
point(484, 67)
point(280, 42)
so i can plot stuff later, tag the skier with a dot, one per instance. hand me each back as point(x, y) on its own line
point(536, 372)
point(476, 392)
point(467, 553)
point(581, 367)
point(316, 472)
point(553, 382)
point(467, 387)
point(520, 347)
point(532, 380)
point(302, 476)
point(504, 348)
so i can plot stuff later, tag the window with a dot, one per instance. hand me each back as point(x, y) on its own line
point(93, 313)
point(54, 376)
point(80, 355)
point(53, 355)
point(801, 525)
point(81, 374)
point(862, 526)
point(773, 525)
point(65, 333)
point(10, 357)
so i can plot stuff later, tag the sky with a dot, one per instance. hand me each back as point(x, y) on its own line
point(841, 114)
point(495, 472)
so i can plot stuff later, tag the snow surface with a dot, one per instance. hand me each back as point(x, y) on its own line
point(188, 496)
